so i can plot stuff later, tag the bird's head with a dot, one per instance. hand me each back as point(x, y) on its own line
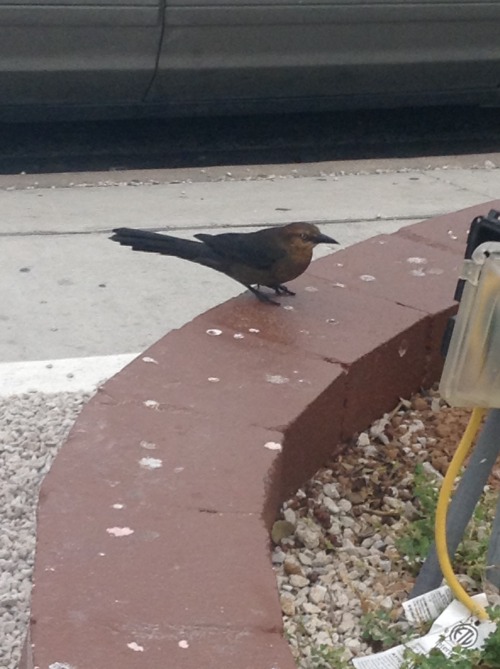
point(305, 235)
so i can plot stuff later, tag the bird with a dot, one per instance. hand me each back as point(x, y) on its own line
point(269, 257)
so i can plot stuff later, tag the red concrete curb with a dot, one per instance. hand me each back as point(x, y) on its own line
point(153, 524)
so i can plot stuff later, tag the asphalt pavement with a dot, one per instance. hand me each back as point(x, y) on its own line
point(67, 292)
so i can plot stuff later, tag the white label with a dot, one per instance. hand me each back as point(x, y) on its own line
point(454, 627)
point(428, 606)
point(389, 659)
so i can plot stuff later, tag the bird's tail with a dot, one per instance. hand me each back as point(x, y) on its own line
point(152, 242)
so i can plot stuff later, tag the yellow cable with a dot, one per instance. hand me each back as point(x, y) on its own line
point(442, 511)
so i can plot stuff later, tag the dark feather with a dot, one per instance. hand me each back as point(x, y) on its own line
point(248, 248)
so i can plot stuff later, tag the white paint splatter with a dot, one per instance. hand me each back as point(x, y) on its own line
point(452, 235)
point(120, 531)
point(367, 277)
point(151, 463)
point(331, 320)
point(151, 404)
point(254, 330)
point(183, 644)
point(135, 646)
point(178, 470)
point(435, 270)
point(289, 307)
point(402, 350)
point(418, 272)
point(276, 378)
point(311, 289)
point(213, 379)
point(61, 665)
point(417, 261)
point(238, 335)
point(148, 445)
point(338, 285)
point(148, 359)
point(273, 446)
point(49, 569)
point(117, 506)
point(101, 554)
point(213, 332)
point(340, 264)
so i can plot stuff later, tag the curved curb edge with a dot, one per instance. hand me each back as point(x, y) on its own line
point(153, 523)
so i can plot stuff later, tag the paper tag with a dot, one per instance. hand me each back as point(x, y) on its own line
point(427, 606)
point(454, 627)
point(388, 659)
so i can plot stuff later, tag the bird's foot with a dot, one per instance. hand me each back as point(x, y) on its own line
point(280, 289)
point(262, 296)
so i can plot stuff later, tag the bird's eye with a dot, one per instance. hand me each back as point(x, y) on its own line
point(304, 236)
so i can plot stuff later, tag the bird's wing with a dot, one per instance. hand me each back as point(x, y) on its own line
point(250, 248)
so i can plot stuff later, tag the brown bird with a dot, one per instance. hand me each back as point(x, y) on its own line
point(268, 257)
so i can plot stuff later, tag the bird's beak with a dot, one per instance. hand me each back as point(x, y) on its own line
point(324, 239)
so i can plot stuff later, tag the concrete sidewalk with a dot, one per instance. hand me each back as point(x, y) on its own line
point(68, 292)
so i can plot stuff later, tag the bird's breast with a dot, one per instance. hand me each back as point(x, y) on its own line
point(292, 265)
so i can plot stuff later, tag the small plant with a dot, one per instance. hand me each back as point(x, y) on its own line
point(470, 557)
point(460, 659)
point(379, 630)
point(326, 657)
point(490, 654)
point(419, 534)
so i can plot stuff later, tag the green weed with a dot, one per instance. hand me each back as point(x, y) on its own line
point(379, 630)
point(418, 535)
point(326, 657)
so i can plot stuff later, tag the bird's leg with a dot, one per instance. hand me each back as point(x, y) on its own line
point(262, 296)
point(280, 289)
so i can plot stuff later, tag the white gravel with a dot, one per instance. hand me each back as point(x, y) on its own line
point(32, 428)
point(336, 558)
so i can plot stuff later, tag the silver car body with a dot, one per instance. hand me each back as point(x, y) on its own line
point(190, 56)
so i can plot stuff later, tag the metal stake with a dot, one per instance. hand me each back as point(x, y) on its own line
point(462, 507)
